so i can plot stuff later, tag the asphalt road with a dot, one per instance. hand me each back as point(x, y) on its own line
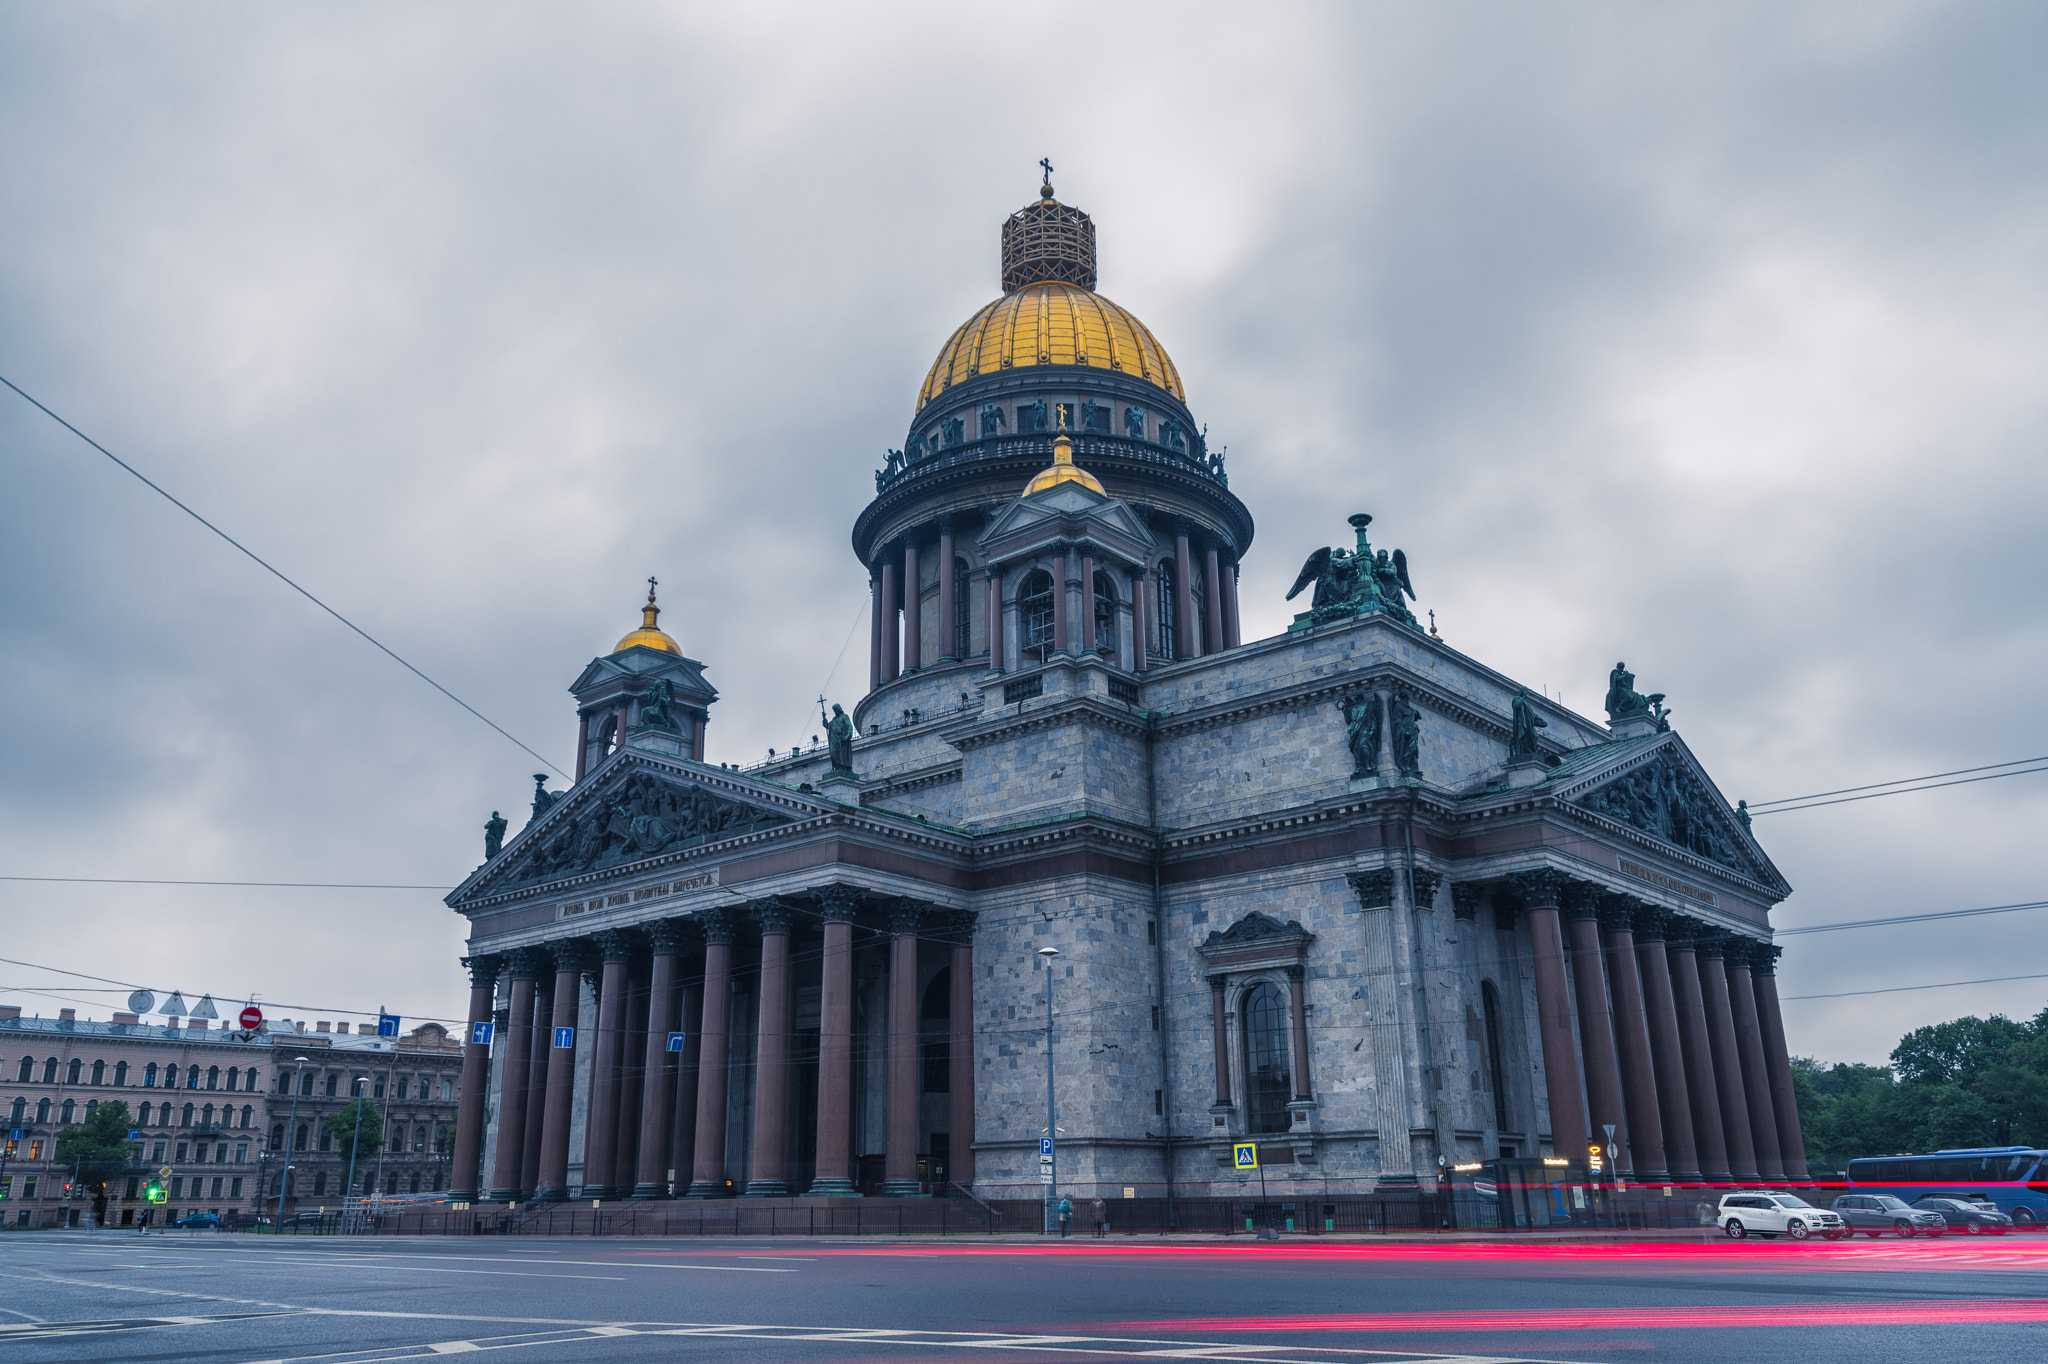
point(113, 1296)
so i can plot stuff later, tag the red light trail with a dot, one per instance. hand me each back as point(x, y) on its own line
point(1932, 1312)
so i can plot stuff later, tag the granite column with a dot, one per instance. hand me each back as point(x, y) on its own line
point(522, 966)
point(769, 1167)
point(553, 1182)
point(834, 1174)
point(657, 1090)
point(1541, 890)
point(899, 1172)
point(476, 1073)
point(715, 1046)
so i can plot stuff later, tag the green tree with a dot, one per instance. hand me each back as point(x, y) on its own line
point(360, 1122)
point(1955, 1052)
point(99, 1148)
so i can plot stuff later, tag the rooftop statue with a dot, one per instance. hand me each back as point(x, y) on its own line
point(1349, 583)
point(839, 737)
point(1522, 742)
point(1362, 732)
point(1622, 697)
point(494, 835)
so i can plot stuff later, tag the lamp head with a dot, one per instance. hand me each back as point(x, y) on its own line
point(1048, 952)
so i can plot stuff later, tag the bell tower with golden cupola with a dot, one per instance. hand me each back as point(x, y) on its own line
point(645, 694)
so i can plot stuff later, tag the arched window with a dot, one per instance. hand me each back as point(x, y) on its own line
point(247, 1113)
point(99, 1072)
point(415, 1181)
point(92, 1106)
point(437, 1181)
point(234, 1077)
point(326, 1138)
point(145, 1115)
point(254, 1082)
point(1034, 613)
point(935, 1032)
point(206, 1115)
point(1105, 613)
point(213, 1077)
point(192, 1077)
point(121, 1073)
point(1489, 998)
point(186, 1116)
point(74, 1070)
point(1163, 576)
point(149, 1076)
point(27, 1070)
point(43, 1111)
point(963, 609)
point(419, 1143)
point(1267, 1082)
point(306, 1084)
point(299, 1138)
point(19, 1114)
point(70, 1110)
point(333, 1085)
point(1197, 609)
point(320, 1183)
point(277, 1136)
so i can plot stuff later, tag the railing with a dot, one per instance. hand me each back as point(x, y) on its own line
point(909, 718)
point(1039, 445)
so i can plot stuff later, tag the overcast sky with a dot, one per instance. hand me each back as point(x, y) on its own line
point(1710, 337)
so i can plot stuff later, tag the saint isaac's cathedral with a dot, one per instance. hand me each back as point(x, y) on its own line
point(1345, 893)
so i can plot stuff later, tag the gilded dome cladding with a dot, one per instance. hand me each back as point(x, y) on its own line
point(1050, 323)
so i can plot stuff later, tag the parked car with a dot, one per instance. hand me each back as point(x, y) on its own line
point(1876, 1214)
point(1768, 1213)
point(1971, 1219)
point(195, 1220)
point(307, 1221)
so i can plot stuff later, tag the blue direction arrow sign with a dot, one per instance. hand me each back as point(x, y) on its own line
point(565, 1037)
point(1244, 1155)
point(387, 1025)
point(675, 1040)
point(480, 1033)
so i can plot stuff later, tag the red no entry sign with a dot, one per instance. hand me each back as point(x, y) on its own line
point(252, 1018)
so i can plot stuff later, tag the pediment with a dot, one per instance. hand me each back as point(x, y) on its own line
point(631, 809)
point(686, 675)
point(1255, 938)
point(1060, 507)
point(1662, 791)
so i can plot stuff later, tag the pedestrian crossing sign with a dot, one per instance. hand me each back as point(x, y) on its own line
point(1245, 1155)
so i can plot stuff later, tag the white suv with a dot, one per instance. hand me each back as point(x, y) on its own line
point(1763, 1212)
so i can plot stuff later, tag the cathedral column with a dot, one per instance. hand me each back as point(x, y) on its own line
point(1689, 1002)
point(1141, 619)
point(601, 1124)
point(1088, 640)
point(553, 1183)
point(1231, 637)
point(1727, 1059)
point(1212, 600)
point(1660, 1011)
point(913, 608)
point(708, 1175)
point(522, 966)
point(1749, 1046)
point(875, 609)
point(947, 607)
point(1596, 1024)
point(657, 1085)
point(1220, 1032)
point(890, 665)
point(476, 1074)
point(1540, 892)
point(1647, 1160)
point(769, 1167)
point(682, 1153)
point(540, 1028)
point(1763, 970)
point(1183, 593)
point(1062, 584)
point(899, 1170)
point(834, 1175)
point(632, 1081)
point(582, 744)
point(1298, 1001)
point(994, 627)
point(960, 1054)
point(697, 738)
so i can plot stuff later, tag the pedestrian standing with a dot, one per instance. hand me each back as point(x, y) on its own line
point(1066, 1217)
point(1101, 1219)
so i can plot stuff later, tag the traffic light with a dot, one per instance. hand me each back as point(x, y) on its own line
point(153, 1192)
point(67, 1188)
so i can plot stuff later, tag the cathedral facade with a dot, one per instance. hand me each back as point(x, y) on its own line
point(1344, 894)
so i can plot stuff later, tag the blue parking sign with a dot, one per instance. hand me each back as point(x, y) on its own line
point(480, 1033)
point(1045, 1146)
point(387, 1025)
point(675, 1040)
point(565, 1037)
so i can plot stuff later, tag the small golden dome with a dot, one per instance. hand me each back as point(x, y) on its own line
point(1062, 470)
point(648, 636)
point(1050, 323)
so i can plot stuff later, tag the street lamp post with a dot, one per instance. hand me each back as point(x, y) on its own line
point(349, 1189)
point(1052, 1140)
point(291, 1128)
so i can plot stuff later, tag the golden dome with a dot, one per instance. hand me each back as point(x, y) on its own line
point(1062, 470)
point(647, 636)
point(1050, 323)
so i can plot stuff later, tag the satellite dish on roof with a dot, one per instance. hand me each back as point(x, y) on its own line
point(141, 1002)
point(204, 1008)
point(174, 1007)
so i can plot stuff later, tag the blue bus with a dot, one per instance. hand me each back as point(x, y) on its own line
point(2011, 1177)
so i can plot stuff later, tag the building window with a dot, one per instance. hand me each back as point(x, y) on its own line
point(247, 1113)
point(206, 1116)
point(1034, 612)
point(320, 1183)
point(99, 1072)
point(178, 1186)
point(187, 1115)
point(121, 1074)
point(306, 1085)
point(241, 1153)
point(419, 1143)
point(1268, 1085)
point(333, 1085)
point(70, 1110)
point(149, 1076)
point(1163, 576)
point(19, 1114)
point(254, 1081)
point(213, 1077)
point(191, 1077)
point(326, 1144)
point(299, 1138)
point(277, 1136)
point(447, 1091)
point(50, 1071)
point(27, 1070)
point(1489, 998)
point(234, 1077)
point(74, 1070)
point(963, 610)
point(1197, 608)
point(216, 1186)
point(43, 1112)
point(415, 1181)
point(235, 1187)
point(92, 1106)
point(377, 1088)
point(156, 1152)
point(1105, 613)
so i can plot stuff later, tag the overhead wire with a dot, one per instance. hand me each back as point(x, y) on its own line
point(260, 562)
point(1903, 786)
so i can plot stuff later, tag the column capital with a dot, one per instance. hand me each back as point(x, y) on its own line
point(1375, 888)
point(1581, 899)
point(1618, 911)
point(1739, 950)
point(905, 916)
point(1708, 941)
point(945, 523)
point(1423, 886)
point(525, 963)
point(1217, 982)
point(1541, 888)
point(1763, 958)
point(615, 945)
point(716, 925)
point(569, 953)
point(1296, 971)
point(838, 903)
point(772, 914)
point(1466, 898)
point(483, 970)
point(954, 926)
point(1652, 922)
point(665, 936)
